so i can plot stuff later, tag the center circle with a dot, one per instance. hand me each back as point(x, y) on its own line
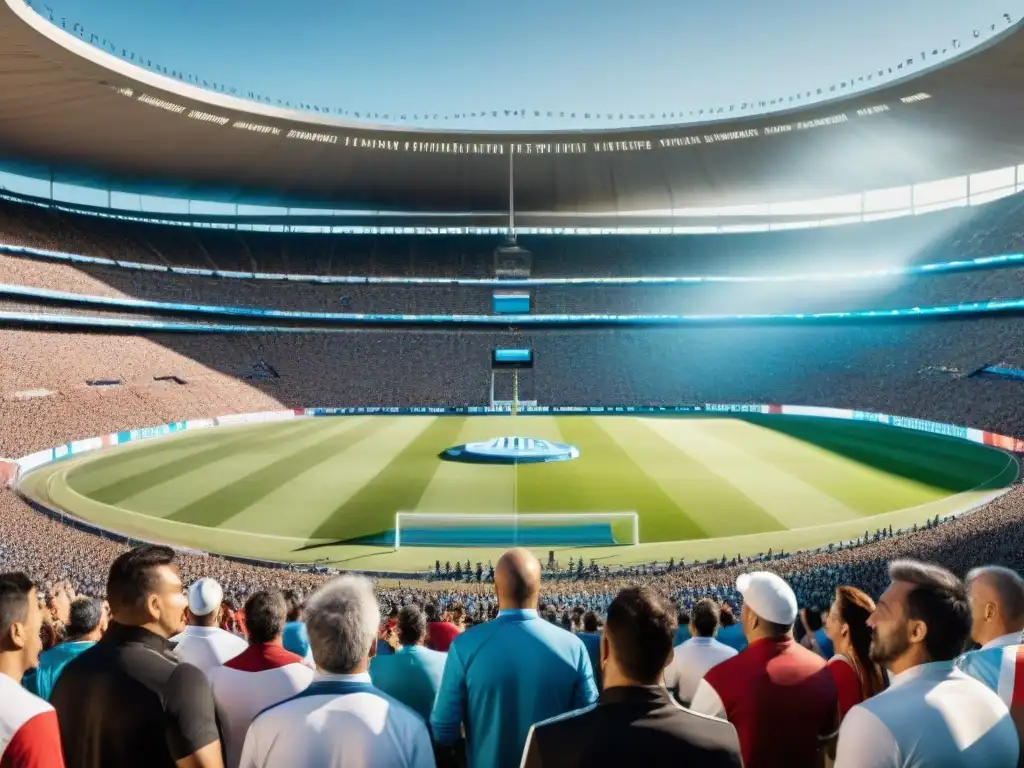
point(512, 450)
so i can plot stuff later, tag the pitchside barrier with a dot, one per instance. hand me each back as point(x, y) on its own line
point(76, 447)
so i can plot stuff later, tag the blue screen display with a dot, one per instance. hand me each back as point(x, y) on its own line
point(513, 355)
point(510, 303)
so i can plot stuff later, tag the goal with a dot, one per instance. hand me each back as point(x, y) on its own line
point(579, 529)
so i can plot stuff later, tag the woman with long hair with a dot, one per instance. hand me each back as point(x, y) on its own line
point(857, 677)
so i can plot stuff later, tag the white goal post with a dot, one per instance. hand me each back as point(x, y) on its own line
point(526, 528)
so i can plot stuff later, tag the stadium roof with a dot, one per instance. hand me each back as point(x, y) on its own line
point(69, 105)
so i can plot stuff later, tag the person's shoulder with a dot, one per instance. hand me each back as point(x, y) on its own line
point(700, 722)
point(576, 718)
point(18, 704)
point(187, 680)
point(400, 712)
point(887, 704)
point(93, 657)
point(808, 659)
point(974, 661)
point(431, 656)
point(969, 686)
point(727, 668)
point(555, 635)
point(875, 713)
point(474, 636)
point(719, 647)
point(230, 638)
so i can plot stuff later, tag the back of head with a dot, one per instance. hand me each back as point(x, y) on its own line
point(705, 617)
point(294, 601)
point(134, 576)
point(86, 616)
point(640, 628)
point(852, 608)
point(15, 592)
point(813, 618)
point(591, 622)
point(997, 601)
point(769, 604)
point(517, 579)
point(412, 625)
point(939, 600)
point(431, 612)
point(342, 618)
point(205, 597)
point(265, 616)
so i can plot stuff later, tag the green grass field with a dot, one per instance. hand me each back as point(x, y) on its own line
point(303, 490)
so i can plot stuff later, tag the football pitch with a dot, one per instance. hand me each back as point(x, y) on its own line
point(327, 490)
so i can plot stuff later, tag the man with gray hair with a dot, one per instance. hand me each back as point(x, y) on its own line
point(341, 720)
point(996, 596)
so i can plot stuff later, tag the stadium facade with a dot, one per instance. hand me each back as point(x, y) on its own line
point(71, 107)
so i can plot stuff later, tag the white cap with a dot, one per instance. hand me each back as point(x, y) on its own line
point(204, 597)
point(769, 596)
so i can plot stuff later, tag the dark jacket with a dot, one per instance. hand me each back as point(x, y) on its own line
point(639, 725)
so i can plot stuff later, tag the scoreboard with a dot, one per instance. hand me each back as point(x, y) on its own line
point(511, 358)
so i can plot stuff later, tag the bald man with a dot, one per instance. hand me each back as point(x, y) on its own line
point(996, 595)
point(503, 676)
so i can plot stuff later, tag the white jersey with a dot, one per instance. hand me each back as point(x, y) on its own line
point(339, 721)
point(263, 675)
point(207, 647)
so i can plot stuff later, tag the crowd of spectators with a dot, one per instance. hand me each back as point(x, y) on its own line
point(950, 235)
point(56, 553)
point(997, 227)
point(105, 383)
point(159, 669)
point(807, 296)
point(918, 369)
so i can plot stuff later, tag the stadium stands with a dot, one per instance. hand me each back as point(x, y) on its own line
point(996, 227)
point(57, 385)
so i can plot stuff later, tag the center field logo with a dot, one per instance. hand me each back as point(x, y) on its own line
point(511, 450)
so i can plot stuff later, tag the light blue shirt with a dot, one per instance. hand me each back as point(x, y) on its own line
point(824, 643)
point(503, 676)
point(51, 664)
point(593, 642)
point(412, 675)
point(987, 664)
point(295, 638)
point(732, 636)
point(931, 715)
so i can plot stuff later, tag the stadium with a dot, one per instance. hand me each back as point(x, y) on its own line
point(523, 395)
point(777, 364)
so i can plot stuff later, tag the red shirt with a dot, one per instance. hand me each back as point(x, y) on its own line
point(440, 635)
point(1017, 697)
point(780, 698)
point(1017, 694)
point(29, 734)
point(847, 684)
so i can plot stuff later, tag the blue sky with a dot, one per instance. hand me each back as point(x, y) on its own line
point(459, 56)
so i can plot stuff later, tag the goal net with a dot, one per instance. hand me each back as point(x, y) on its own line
point(580, 529)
